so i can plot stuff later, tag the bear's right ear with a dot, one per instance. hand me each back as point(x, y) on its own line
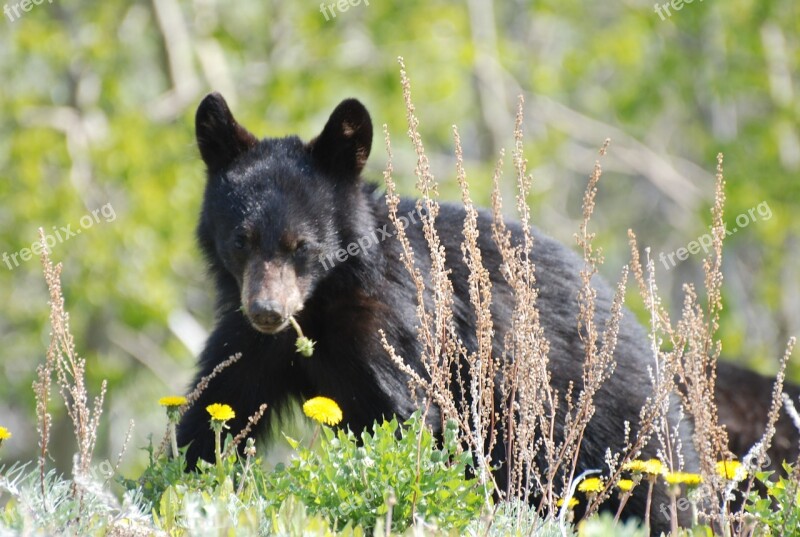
point(343, 146)
point(220, 138)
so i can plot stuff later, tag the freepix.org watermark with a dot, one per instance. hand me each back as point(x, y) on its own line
point(340, 5)
point(60, 234)
point(677, 5)
point(13, 11)
point(706, 241)
point(362, 244)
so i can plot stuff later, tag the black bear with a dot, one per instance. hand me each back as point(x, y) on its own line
point(276, 216)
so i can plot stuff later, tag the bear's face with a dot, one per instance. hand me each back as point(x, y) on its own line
point(271, 207)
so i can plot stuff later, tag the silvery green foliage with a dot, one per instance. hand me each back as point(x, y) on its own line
point(54, 505)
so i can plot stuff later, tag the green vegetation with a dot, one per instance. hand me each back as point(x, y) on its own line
point(97, 107)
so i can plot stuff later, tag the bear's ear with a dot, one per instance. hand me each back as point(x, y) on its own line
point(220, 138)
point(344, 144)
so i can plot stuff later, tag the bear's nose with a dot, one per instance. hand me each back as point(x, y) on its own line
point(267, 313)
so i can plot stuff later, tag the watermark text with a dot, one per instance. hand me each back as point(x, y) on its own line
point(13, 11)
point(705, 242)
point(362, 244)
point(59, 235)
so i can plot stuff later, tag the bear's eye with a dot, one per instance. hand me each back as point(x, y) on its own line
point(300, 247)
point(239, 242)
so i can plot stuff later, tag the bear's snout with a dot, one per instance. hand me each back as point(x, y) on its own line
point(267, 316)
point(270, 295)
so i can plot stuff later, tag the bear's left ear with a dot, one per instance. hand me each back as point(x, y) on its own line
point(220, 138)
point(344, 144)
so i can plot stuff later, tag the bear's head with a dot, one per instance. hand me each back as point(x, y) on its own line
point(276, 209)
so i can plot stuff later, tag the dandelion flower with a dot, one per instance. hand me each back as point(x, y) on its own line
point(625, 485)
point(323, 410)
point(688, 479)
point(591, 485)
point(5, 434)
point(172, 401)
point(729, 469)
point(304, 345)
point(572, 502)
point(173, 404)
point(652, 467)
point(220, 412)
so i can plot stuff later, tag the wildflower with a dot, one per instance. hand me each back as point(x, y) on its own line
point(688, 479)
point(591, 485)
point(625, 485)
point(729, 470)
point(651, 467)
point(5, 434)
point(173, 404)
point(323, 410)
point(221, 413)
point(171, 401)
point(570, 504)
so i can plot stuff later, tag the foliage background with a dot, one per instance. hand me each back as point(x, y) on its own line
point(97, 107)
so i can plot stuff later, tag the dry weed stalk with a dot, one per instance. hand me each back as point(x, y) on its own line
point(251, 422)
point(436, 331)
point(599, 362)
point(531, 403)
point(70, 371)
point(482, 366)
point(517, 375)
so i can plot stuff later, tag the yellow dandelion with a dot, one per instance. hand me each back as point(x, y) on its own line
point(625, 485)
point(652, 467)
point(172, 401)
point(688, 479)
point(729, 469)
point(220, 412)
point(571, 504)
point(323, 410)
point(5, 434)
point(592, 485)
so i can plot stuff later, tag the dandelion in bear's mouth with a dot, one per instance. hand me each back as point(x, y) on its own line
point(323, 410)
point(305, 346)
point(220, 412)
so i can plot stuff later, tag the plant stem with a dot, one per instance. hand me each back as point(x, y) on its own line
point(296, 326)
point(173, 438)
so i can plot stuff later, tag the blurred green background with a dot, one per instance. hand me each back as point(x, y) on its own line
point(97, 106)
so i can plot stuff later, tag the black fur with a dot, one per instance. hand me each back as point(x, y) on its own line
point(743, 403)
point(275, 210)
